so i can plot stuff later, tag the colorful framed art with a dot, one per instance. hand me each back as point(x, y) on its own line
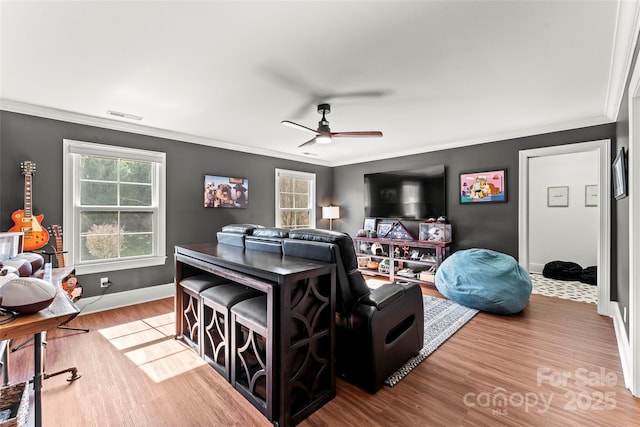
point(225, 192)
point(483, 187)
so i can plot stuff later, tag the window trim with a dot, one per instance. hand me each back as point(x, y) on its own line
point(70, 182)
point(312, 193)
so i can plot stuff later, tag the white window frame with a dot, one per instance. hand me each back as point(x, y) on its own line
point(311, 177)
point(71, 206)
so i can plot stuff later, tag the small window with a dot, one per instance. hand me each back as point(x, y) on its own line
point(295, 199)
point(114, 207)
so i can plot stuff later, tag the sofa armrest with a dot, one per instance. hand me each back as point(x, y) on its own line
point(379, 341)
point(383, 296)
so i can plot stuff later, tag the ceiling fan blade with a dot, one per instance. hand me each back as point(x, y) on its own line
point(309, 142)
point(372, 133)
point(297, 126)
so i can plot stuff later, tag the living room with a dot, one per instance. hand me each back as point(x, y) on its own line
point(37, 133)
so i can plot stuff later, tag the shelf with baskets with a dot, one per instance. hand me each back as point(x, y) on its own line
point(397, 259)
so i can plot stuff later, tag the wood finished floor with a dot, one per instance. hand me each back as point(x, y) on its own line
point(556, 364)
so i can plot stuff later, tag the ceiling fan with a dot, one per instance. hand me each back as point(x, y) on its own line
point(323, 134)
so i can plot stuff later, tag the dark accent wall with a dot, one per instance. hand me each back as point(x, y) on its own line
point(489, 225)
point(620, 208)
point(24, 137)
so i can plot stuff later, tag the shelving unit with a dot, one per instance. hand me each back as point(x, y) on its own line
point(400, 255)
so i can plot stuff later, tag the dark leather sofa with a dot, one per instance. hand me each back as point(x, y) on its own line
point(377, 331)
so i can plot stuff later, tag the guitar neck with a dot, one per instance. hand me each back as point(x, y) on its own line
point(27, 196)
point(59, 250)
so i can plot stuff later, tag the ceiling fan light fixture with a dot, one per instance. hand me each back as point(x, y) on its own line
point(323, 139)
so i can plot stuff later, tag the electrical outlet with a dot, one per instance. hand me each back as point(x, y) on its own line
point(104, 282)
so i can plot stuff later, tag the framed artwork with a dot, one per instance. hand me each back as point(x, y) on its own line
point(225, 192)
point(483, 187)
point(591, 195)
point(370, 224)
point(383, 227)
point(558, 196)
point(619, 178)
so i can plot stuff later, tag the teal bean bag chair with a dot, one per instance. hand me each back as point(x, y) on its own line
point(485, 280)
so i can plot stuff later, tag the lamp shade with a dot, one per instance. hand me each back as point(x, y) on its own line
point(330, 212)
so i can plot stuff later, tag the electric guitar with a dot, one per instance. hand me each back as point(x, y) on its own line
point(70, 285)
point(35, 236)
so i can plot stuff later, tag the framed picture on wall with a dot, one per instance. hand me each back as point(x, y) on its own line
point(225, 192)
point(619, 177)
point(558, 196)
point(483, 187)
point(591, 195)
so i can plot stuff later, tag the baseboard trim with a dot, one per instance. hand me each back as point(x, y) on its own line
point(536, 268)
point(623, 342)
point(126, 298)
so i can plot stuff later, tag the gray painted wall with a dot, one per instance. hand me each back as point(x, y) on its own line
point(39, 140)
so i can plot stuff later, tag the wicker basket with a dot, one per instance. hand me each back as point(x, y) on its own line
point(16, 399)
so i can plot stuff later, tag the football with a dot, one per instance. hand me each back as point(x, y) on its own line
point(36, 260)
point(26, 295)
point(22, 265)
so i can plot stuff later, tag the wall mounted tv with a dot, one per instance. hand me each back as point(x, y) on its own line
point(407, 194)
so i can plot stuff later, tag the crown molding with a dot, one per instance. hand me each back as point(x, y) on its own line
point(627, 29)
point(83, 119)
point(120, 125)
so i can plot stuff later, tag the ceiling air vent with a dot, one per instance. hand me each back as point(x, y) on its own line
point(123, 115)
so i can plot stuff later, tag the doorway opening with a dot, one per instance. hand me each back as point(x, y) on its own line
point(602, 149)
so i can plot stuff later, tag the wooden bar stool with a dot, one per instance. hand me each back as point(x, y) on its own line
point(191, 287)
point(216, 323)
point(252, 362)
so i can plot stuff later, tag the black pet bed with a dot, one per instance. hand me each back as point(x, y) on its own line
point(567, 270)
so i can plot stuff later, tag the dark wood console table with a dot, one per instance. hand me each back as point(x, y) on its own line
point(300, 311)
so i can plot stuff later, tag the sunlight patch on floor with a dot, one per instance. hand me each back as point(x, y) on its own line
point(150, 344)
point(165, 359)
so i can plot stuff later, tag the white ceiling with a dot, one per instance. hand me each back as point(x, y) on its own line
point(428, 74)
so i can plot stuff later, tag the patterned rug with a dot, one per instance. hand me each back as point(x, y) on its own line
point(575, 291)
point(442, 319)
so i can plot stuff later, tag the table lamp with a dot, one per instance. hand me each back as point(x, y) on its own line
point(330, 213)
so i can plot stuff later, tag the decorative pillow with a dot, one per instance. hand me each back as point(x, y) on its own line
point(485, 280)
point(26, 294)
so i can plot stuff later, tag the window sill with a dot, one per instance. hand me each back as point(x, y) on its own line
point(91, 268)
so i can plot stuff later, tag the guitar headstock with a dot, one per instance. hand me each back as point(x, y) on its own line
point(56, 231)
point(28, 168)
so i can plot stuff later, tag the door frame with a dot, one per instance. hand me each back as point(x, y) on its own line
point(603, 150)
point(633, 363)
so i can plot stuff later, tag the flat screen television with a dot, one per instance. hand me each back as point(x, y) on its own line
point(406, 194)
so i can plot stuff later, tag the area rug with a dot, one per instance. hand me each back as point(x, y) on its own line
point(442, 319)
point(575, 291)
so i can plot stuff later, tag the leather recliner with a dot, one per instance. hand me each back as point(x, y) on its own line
point(378, 330)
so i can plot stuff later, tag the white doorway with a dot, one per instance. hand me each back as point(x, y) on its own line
point(603, 239)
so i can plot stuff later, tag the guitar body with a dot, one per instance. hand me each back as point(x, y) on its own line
point(35, 236)
point(70, 285)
